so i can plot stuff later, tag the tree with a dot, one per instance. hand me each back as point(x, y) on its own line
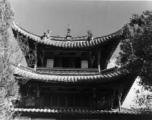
point(137, 39)
point(143, 100)
point(8, 85)
point(137, 46)
point(137, 43)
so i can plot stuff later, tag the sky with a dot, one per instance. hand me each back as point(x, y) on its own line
point(101, 17)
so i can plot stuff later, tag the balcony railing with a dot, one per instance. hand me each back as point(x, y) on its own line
point(67, 70)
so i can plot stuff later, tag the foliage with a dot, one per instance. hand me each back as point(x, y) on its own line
point(137, 43)
point(8, 85)
point(143, 100)
point(27, 51)
point(137, 39)
point(137, 46)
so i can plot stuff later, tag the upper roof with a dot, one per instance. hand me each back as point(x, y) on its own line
point(74, 42)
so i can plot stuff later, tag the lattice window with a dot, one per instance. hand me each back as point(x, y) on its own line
point(30, 101)
point(54, 101)
point(70, 102)
point(46, 101)
point(78, 102)
point(63, 101)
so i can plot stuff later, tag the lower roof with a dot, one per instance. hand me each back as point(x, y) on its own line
point(123, 111)
point(73, 114)
point(71, 111)
point(65, 76)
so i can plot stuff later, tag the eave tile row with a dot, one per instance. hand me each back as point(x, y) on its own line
point(70, 111)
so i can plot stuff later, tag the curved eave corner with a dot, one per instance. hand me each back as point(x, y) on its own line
point(64, 43)
point(102, 77)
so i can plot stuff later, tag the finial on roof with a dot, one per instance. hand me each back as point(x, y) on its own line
point(48, 34)
point(90, 36)
point(68, 36)
point(69, 30)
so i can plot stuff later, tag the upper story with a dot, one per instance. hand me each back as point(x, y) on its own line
point(54, 52)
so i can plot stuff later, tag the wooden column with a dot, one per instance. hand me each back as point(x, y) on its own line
point(112, 96)
point(38, 97)
point(36, 60)
point(98, 60)
point(42, 59)
point(94, 98)
point(120, 96)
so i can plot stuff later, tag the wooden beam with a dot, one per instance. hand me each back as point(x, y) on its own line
point(112, 96)
point(64, 51)
point(58, 55)
point(98, 60)
point(36, 60)
point(120, 96)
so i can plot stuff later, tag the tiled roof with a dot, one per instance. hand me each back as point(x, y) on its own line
point(72, 111)
point(96, 77)
point(75, 42)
